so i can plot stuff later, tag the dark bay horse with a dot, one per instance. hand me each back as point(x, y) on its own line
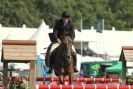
point(63, 60)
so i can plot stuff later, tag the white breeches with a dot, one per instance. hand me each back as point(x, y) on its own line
point(55, 45)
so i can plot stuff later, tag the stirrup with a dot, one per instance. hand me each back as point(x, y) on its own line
point(49, 71)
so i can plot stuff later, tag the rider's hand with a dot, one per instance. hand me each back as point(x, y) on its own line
point(58, 40)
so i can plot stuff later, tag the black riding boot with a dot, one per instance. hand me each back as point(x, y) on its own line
point(50, 66)
point(75, 62)
point(51, 62)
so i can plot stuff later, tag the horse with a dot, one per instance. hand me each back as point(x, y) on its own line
point(63, 60)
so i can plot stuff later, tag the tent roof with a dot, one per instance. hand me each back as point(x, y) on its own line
point(127, 53)
point(114, 68)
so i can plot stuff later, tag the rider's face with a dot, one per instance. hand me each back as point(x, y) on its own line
point(65, 20)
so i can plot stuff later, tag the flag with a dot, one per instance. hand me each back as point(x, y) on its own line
point(100, 25)
point(80, 26)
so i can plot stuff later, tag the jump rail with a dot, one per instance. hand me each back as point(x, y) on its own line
point(77, 79)
point(84, 87)
point(82, 79)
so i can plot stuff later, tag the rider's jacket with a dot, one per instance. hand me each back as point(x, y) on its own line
point(61, 29)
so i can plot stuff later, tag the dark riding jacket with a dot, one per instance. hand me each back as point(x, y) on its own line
point(61, 29)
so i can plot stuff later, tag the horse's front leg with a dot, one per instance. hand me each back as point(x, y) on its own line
point(61, 79)
point(70, 79)
point(71, 75)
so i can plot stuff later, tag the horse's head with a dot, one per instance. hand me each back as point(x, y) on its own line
point(66, 44)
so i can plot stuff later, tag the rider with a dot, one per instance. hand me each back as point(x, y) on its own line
point(63, 26)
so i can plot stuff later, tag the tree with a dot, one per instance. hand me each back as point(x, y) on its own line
point(117, 13)
point(18, 12)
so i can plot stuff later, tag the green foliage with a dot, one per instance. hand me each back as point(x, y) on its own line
point(18, 12)
point(18, 83)
point(117, 13)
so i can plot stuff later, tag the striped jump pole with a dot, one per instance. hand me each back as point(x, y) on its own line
point(84, 87)
point(76, 79)
point(81, 79)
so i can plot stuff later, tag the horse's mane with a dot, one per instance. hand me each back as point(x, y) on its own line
point(66, 44)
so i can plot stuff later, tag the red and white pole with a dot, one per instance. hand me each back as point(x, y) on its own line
point(84, 87)
point(81, 79)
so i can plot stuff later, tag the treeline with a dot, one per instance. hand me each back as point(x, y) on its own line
point(117, 13)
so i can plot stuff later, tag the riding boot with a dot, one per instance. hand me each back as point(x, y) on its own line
point(75, 62)
point(50, 66)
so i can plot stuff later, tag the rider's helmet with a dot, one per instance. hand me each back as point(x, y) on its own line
point(65, 14)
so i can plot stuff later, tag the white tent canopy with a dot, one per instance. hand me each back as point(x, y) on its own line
point(41, 35)
point(109, 42)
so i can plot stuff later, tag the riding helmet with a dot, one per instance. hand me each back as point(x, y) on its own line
point(65, 14)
